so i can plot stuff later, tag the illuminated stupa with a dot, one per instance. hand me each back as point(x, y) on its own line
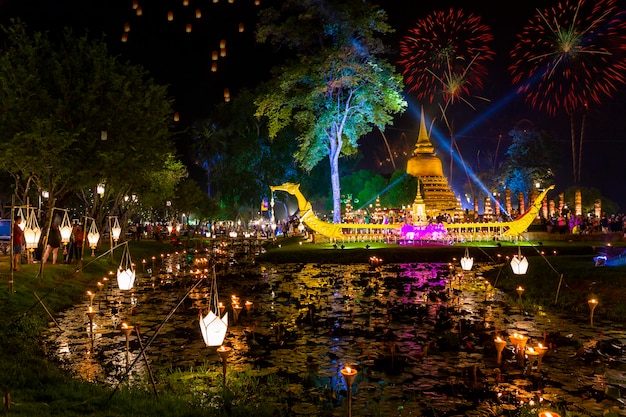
point(432, 186)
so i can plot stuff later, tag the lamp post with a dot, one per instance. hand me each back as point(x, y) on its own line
point(593, 303)
point(348, 376)
point(224, 352)
point(127, 330)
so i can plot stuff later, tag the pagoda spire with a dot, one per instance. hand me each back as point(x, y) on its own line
point(423, 144)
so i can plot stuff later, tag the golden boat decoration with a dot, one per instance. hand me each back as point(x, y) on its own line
point(511, 228)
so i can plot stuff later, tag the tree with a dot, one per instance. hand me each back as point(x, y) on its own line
point(337, 88)
point(242, 161)
point(531, 158)
point(72, 116)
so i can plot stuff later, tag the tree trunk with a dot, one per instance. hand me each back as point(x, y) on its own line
point(333, 157)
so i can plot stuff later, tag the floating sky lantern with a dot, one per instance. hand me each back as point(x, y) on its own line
point(139, 11)
point(214, 55)
point(241, 27)
point(188, 28)
point(226, 95)
point(126, 27)
point(124, 37)
point(135, 4)
point(223, 52)
point(170, 16)
point(198, 13)
point(214, 67)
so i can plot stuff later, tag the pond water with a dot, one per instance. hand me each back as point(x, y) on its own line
point(421, 337)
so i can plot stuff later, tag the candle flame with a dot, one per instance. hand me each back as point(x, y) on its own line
point(124, 326)
point(498, 339)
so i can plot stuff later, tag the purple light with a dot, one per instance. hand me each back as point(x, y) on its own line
point(432, 231)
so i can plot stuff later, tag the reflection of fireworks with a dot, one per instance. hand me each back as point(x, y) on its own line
point(571, 55)
point(445, 53)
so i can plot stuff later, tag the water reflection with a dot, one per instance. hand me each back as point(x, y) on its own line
point(420, 335)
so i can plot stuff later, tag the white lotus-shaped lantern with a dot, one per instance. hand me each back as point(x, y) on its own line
point(519, 263)
point(126, 271)
point(213, 328)
point(466, 261)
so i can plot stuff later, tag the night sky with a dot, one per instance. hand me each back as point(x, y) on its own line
point(182, 60)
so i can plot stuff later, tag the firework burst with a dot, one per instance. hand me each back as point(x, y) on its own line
point(571, 55)
point(445, 54)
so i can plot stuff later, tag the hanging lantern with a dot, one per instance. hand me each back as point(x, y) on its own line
point(212, 327)
point(466, 261)
point(93, 236)
point(188, 28)
point(45, 194)
point(241, 28)
point(170, 16)
point(66, 229)
point(126, 271)
point(19, 213)
point(32, 231)
point(519, 263)
point(198, 14)
point(116, 230)
point(100, 189)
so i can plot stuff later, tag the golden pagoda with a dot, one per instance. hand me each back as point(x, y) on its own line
point(433, 186)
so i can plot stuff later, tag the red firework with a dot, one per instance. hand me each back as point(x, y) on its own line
point(445, 54)
point(571, 55)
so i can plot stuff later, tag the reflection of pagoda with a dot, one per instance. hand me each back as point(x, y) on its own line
point(433, 186)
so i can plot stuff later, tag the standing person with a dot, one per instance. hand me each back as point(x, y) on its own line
point(54, 243)
point(75, 249)
point(18, 241)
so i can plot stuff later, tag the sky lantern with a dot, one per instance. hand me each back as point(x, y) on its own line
point(139, 11)
point(176, 117)
point(226, 95)
point(214, 55)
point(124, 37)
point(241, 28)
point(198, 14)
point(126, 27)
point(185, 2)
point(231, 1)
point(135, 4)
point(214, 67)
point(170, 16)
point(223, 52)
point(223, 44)
point(257, 2)
point(188, 28)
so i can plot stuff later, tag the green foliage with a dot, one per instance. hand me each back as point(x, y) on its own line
point(531, 158)
point(336, 89)
point(57, 97)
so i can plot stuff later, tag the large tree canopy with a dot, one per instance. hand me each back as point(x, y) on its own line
point(337, 88)
point(72, 116)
